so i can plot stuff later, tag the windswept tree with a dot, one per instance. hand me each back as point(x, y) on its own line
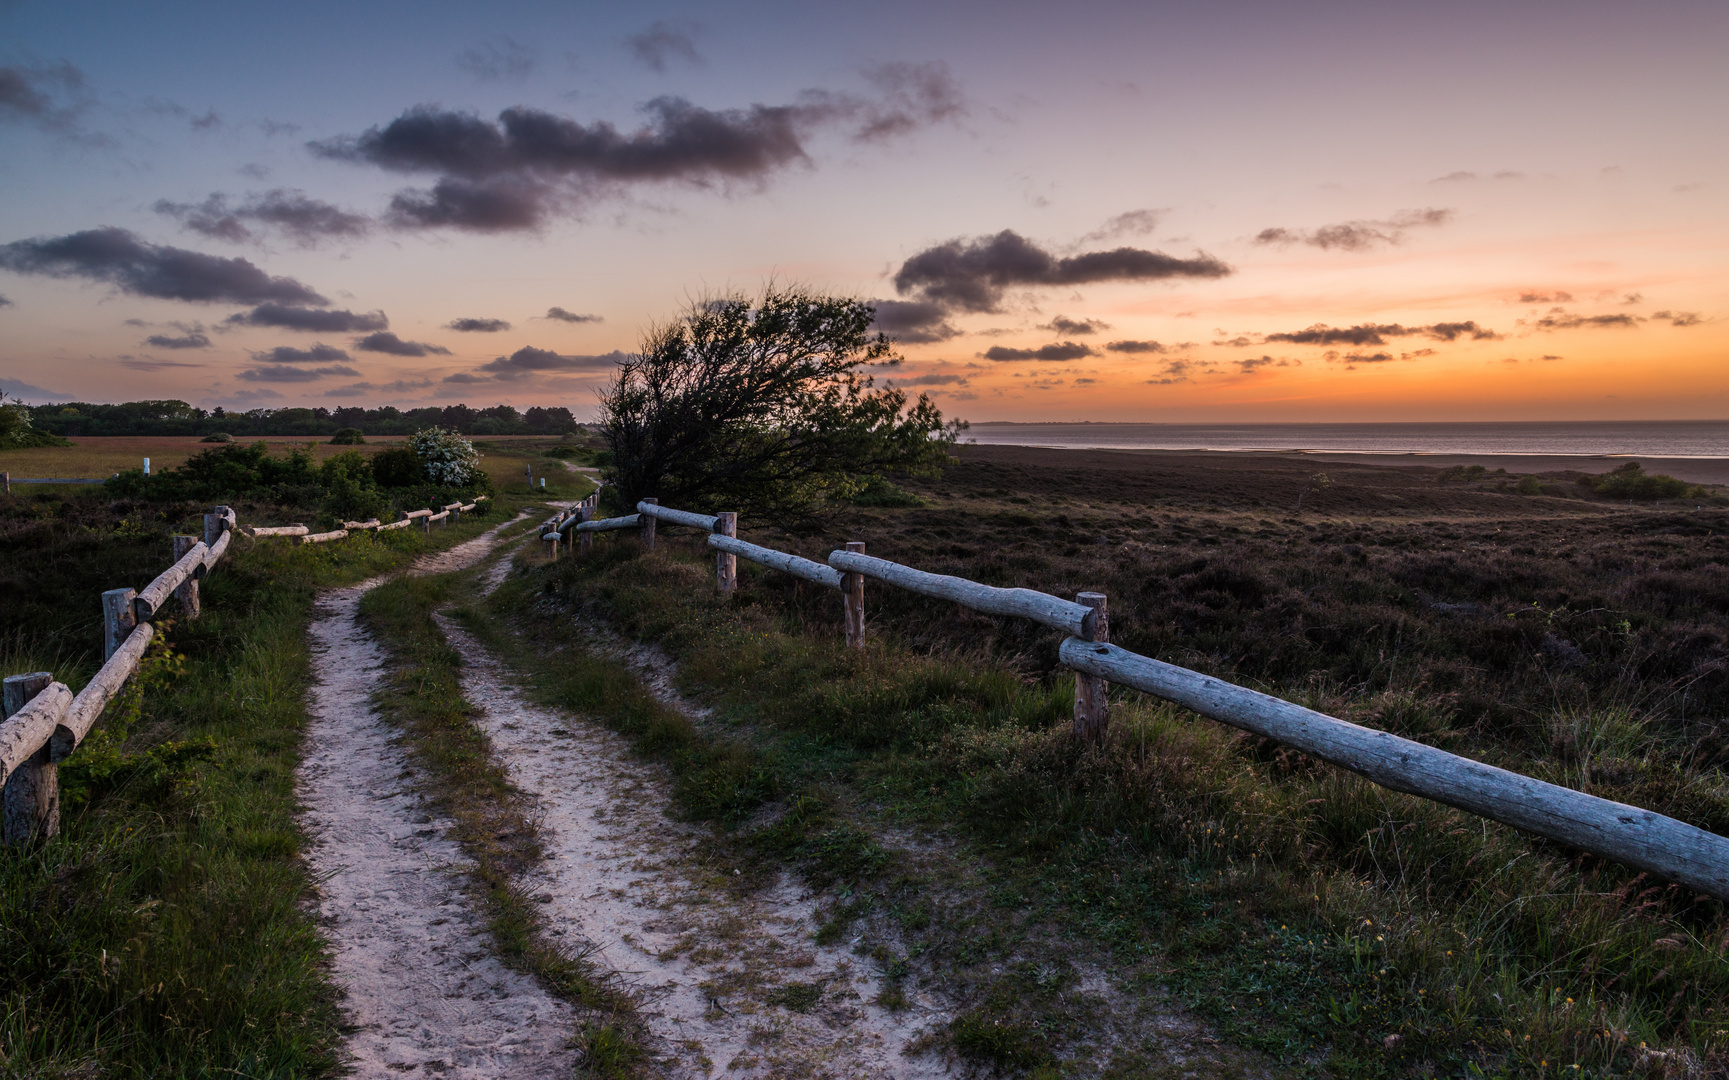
point(764, 406)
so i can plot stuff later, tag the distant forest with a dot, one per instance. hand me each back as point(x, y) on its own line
point(180, 418)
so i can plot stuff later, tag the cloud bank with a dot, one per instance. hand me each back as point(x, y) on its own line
point(117, 257)
point(305, 220)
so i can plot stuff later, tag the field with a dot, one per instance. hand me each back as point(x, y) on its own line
point(101, 457)
point(1303, 914)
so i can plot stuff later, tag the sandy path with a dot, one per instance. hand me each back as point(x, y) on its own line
point(629, 883)
point(422, 986)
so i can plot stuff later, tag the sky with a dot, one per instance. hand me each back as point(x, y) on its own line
point(1232, 211)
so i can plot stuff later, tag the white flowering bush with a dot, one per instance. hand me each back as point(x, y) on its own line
point(448, 458)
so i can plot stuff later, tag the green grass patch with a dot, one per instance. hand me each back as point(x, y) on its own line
point(1305, 913)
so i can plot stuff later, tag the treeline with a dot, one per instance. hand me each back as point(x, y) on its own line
point(180, 418)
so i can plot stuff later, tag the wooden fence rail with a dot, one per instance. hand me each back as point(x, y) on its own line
point(43, 721)
point(1640, 838)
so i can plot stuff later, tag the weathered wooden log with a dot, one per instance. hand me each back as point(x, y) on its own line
point(1639, 838)
point(1059, 614)
point(469, 506)
point(30, 800)
point(441, 517)
point(155, 594)
point(98, 692)
point(1091, 692)
point(360, 526)
point(324, 537)
point(403, 524)
point(118, 619)
point(410, 515)
point(645, 535)
point(217, 550)
point(553, 538)
point(586, 513)
point(187, 593)
point(852, 599)
point(481, 498)
point(777, 560)
point(218, 521)
point(725, 562)
point(629, 521)
point(278, 530)
point(457, 505)
point(676, 517)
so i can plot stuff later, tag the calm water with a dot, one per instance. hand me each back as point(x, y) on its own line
point(1646, 438)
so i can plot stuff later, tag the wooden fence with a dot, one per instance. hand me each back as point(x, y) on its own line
point(1639, 838)
point(43, 721)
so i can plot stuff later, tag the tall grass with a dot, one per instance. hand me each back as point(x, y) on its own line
point(1304, 911)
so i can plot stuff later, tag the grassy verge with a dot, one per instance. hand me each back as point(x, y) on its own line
point(1304, 913)
point(494, 824)
point(164, 932)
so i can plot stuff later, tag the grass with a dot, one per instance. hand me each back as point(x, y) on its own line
point(165, 932)
point(1302, 912)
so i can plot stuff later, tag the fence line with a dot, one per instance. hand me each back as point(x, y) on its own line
point(43, 721)
point(1640, 838)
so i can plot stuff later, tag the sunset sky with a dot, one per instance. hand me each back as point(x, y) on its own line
point(1105, 211)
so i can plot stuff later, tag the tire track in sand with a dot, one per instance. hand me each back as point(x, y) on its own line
point(423, 988)
point(624, 880)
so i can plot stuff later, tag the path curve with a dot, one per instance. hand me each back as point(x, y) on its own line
point(423, 988)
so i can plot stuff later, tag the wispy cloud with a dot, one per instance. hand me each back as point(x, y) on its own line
point(1358, 235)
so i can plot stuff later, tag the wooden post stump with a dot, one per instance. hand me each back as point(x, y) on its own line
point(215, 524)
point(553, 540)
point(118, 619)
point(586, 513)
point(1091, 711)
point(852, 593)
point(647, 535)
point(32, 793)
point(726, 563)
point(187, 593)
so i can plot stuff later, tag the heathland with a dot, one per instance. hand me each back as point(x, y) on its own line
point(1181, 899)
point(1298, 911)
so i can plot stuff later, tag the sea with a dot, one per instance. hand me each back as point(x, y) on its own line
point(1611, 438)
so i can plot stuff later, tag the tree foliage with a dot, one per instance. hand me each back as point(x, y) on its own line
point(765, 407)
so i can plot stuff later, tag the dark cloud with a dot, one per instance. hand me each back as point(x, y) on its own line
point(662, 42)
point(51, 96)
point(1374, 358)
point(361, 389)
point(304, 220)
point(1131, 223)
point(386, 342)
point(1376, 334)
point(933, 380)
point(1062, 350)
point(192, 340)
point(153, 364)
point(309, 319)
point(1562, 320)
point(561, 315)
point(529, 360)
point(515, 172)
point(973, 275)
point(1358, 235)
point(493, 60)
point(480, 326)
point(119, 258)
point(1249, 364)
point(285, 373)
point(287, 354)
point(4, 302)
point(1134, 347)
point(1676, 318)
point(1062, 324)
point(912, 96)
point(913, 322)
point(1545, 298)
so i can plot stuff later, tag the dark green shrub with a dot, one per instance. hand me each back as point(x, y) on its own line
point(1631, 482)
point(397, 467)
point(348, 436)
point(217, 436)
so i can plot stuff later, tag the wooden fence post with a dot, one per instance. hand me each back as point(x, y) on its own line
point(553, 540)
point(187, 593)
point(586, 513)
point(726, 563)
point(1091, 710)
point(32, 794)
point(426, 524)
point(215, 523)
point(118, 619)
point(852, 592)
point(647, 526)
